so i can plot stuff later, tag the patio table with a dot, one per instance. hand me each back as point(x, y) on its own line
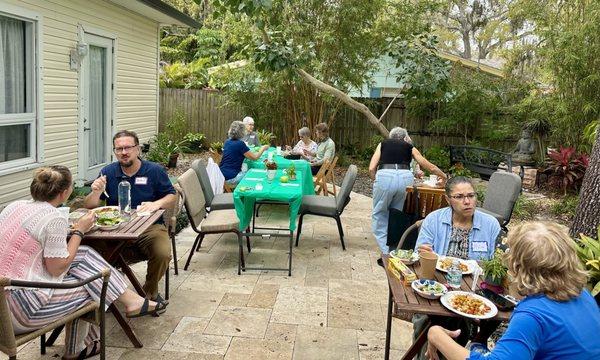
point(404, 299)
point(110, 245)
point(245, 196)
point(302, 167)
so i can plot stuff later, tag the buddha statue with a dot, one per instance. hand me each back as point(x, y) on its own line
point(523, 154)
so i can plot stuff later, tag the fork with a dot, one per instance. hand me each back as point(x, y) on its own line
point(104, 191)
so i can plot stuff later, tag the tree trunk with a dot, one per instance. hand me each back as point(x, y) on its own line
point(466, 45)
point(587, 216)
point(321, 86)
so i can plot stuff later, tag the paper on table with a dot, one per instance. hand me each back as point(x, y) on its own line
point(253, 178)
point(282, 184)
point(257, 171)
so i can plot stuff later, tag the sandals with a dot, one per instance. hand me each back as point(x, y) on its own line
point(160, 308)
point(86, 353)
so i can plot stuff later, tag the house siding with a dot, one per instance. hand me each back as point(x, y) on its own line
point(136, 87)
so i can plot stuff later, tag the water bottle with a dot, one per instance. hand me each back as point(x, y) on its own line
point(454, 275)
point(125, 198)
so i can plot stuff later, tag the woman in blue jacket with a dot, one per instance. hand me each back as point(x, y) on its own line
point(557, 319)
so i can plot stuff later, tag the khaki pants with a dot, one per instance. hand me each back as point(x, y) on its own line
point(155, 244)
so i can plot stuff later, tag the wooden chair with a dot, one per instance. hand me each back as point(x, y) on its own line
point(203, 223)
point(9, 342)
point(328, 176)
point(422, 200)
point(318, 179)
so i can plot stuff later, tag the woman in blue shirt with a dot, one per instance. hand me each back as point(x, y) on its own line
point(557, 319)
point(234, 153)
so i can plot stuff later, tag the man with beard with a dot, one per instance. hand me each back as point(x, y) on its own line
point(151, 190)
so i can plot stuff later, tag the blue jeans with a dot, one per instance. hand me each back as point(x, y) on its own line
point(235, 180)
point(389, 191)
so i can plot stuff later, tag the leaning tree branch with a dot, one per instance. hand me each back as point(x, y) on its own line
point(362, 108)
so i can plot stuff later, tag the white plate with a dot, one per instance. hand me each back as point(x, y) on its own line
point(470, 266)
point(445, 300)
point(108, 227)
point(427, 295)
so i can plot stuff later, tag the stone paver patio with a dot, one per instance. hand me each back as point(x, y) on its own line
point(332, 307)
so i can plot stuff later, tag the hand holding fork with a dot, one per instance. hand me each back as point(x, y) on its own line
point(100, 185)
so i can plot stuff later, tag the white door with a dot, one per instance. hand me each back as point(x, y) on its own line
point(97, 106)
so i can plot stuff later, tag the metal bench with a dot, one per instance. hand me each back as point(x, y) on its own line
point(480, 160)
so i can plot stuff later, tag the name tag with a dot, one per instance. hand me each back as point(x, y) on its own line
point(141, 180)
point(479, 246)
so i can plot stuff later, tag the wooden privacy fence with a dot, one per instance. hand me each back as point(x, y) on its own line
point(207, 112)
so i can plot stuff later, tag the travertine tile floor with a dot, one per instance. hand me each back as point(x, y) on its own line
point(332, 307)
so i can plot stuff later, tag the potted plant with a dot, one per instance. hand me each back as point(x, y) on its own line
point(265, 137)
point(165, 151)
point(271, 170)
point(195, 141)
point(217, 147)
point(494, 270)
point(292, 172)
point(588, 250)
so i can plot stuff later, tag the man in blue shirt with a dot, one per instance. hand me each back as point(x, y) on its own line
point(151, 190)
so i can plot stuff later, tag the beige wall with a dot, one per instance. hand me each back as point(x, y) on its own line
point(136, 78)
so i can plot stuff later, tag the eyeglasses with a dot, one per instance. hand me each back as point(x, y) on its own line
point(461, 197)
point(120, 150)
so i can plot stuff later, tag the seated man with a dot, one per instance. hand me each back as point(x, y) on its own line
point(251, 137)
point(151, 190)
point(460, 231)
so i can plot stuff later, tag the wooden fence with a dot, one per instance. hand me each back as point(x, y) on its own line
point(208, 112)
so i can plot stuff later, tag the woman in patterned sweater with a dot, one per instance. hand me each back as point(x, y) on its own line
point(34, 247)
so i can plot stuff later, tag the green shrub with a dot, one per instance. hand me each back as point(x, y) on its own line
point(566, 206)
point(480, 189)
point(524, 209)
point(177, 128)
point(182, 222)
point(195, 141)
point(265, 137)
point(459, 169)
point(217, 146)
point(439, 156)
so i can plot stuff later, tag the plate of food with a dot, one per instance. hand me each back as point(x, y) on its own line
point(445, 262)
point(408, 257)
point(429, 289)
point(469, 305)
point(108, 217)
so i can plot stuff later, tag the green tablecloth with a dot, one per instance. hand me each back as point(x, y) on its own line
point(302, 167)
point(245, 194)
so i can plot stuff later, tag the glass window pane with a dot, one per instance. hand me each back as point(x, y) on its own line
point(13, 65)
point(97, 105)
point(14, 142)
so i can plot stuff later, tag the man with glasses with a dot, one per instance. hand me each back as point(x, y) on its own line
point(151, 190)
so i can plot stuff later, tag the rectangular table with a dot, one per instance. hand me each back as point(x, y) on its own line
point(302, 167)
point(110, 245)
point(245, 196)
point(404, 299)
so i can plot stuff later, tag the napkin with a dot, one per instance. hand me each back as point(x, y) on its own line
point(252, 178)
point(144, 213)
point(284, 184)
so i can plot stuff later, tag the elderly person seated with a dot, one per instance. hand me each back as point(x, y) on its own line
point(305, 146)
point(557, 319)
point(325, 149)
point(461, 231)
point(234, 153)
point(251, 137)
point(33, 239)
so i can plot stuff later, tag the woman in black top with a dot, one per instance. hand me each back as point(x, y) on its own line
point(390, 168)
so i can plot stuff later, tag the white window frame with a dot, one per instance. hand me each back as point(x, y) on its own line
point(35, 118)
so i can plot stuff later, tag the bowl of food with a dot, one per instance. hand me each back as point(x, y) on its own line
point(108, 217)
point(408, 257)
point(429, 289)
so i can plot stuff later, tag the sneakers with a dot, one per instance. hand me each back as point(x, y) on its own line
point(380, 262)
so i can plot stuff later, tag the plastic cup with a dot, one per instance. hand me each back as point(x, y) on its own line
point(64, 211)
point(428, 262)
point(270, 156)
point(278, 149)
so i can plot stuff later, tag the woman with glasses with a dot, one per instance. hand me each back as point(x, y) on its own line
point(460, 231)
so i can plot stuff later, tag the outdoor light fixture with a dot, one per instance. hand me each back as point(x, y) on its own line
point(77, 54)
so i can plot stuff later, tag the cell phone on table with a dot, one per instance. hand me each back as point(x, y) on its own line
point(500, 301)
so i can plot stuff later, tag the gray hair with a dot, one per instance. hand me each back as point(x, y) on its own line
point(237, 130)
point(304, 132)
point(398, 133)
point(453, 181)
point(248, 120)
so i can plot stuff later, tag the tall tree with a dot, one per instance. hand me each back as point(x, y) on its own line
point(587, 216)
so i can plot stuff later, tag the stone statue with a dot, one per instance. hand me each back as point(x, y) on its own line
point(525, 149)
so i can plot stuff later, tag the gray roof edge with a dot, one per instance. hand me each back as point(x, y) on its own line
point(171, 12)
